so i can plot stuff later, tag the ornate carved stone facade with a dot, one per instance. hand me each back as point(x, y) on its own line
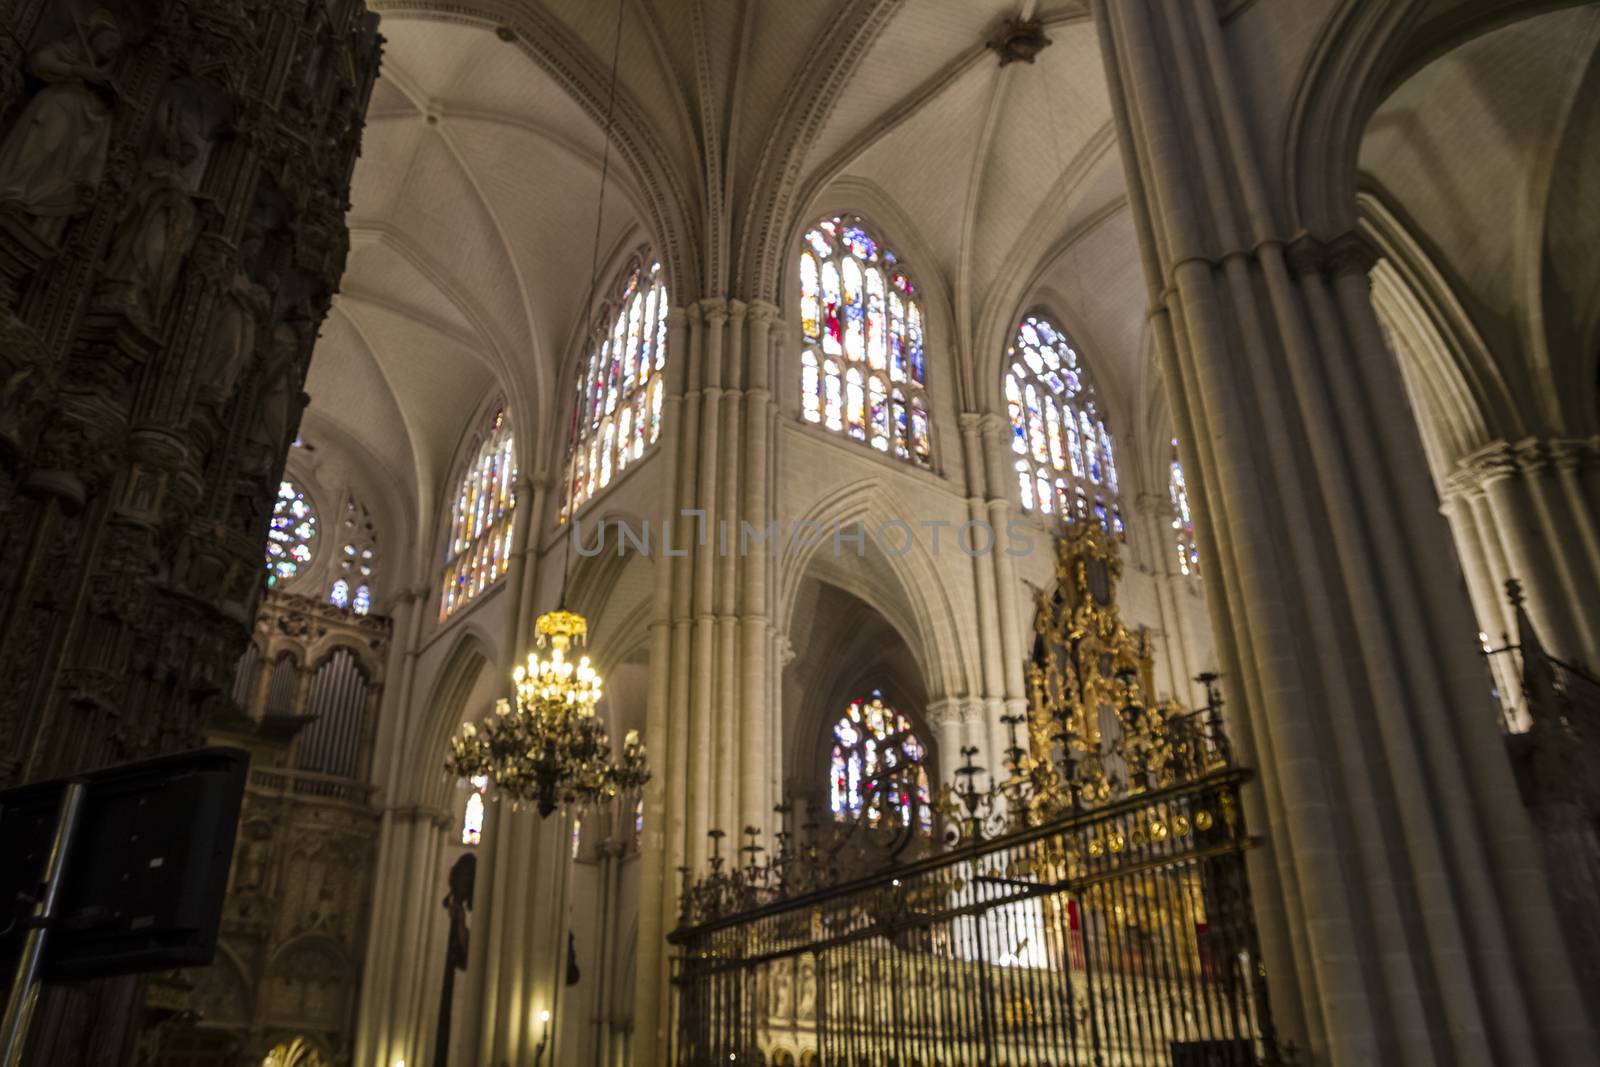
point(173, 182)
point(295, 921)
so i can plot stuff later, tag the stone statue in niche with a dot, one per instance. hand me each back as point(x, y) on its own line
point(232, 336)
point(154, 234)
point(808, 988)
point(268, 437)
point(782, 989)
point(55, 156)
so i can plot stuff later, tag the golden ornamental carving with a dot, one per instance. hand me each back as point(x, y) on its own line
point(1094, 731)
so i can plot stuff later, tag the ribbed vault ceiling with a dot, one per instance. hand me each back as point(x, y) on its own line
point(474, 199)
point(1001, 186)
point(1490, 155)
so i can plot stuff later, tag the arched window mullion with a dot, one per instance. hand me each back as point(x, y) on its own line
point(859, 740)
point(1065, 459)
point(479, 550)
point(1182, 517)
point(291, 535)
point(617, 404)
point(862, 364)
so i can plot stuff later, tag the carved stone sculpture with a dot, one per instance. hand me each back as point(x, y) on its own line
point(808, 988)
point(782, 989)
point(55, 156)
point(268, 437)
point(124, 619)
point(232, 338)
point(154, 236)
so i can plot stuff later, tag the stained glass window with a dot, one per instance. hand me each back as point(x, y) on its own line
point(479, 550)
point(292, 535)
point(1182, 518)
point(1066, 463)
point(472, 821)
point(617, 414)
point(357, 559)
point(871, 738)
point(862, 368)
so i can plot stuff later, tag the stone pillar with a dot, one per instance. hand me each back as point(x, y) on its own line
point(399, 995)
point(1523, 511)
point(1405, 913)
point(995, 435)
point(711, 724)
point(167, 253)
point(982, 505)
point(1153, 515)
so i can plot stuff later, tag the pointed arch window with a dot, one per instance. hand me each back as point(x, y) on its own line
point(292, 534)
point(863, 367)
point(872, 738)
point(618, 410)
point(1182, 518)
point(1065, 459)
point(357, 560)
point(472, 818)
point(479, 550)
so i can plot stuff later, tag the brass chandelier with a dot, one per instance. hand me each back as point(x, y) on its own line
point(549, 749)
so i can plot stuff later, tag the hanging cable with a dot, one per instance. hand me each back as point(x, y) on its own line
point(570, 494)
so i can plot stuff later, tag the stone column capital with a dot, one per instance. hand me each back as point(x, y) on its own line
point(761, 311)
point(947, 712)
point(1305, 255)
point(984, 423)
point(1571, 453)
point(1350, 253)
point(713, 311)
point(1490, 463)
point(1155, 504)
point(677, 318)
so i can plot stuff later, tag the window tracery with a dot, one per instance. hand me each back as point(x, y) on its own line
point(617, 414)
point(863, 368)
point(292, 534)
point(472, 819)
point(1066, 463)
point(867, 739)
point(1182, 518)
point(479, 549)
point(357, 560)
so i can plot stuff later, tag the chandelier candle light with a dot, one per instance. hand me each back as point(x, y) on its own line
point(550, 749)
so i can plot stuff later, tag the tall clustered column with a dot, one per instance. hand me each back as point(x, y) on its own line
point(1404, 912)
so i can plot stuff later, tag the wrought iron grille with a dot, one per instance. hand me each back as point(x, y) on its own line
point(1120, 936)
point(1091, 907)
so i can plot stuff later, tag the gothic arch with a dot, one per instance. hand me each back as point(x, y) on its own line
point(999, 319)
point(853, 195)
point(323, 650)
point(769, 218)
point(1460, 395)
point(422, 767)
point(596, 580)
point(857, 679)
point(906, 589)
point(1040, 251)
point(1363, 52)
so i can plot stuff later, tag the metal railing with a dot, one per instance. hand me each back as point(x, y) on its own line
point(1121, 936)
